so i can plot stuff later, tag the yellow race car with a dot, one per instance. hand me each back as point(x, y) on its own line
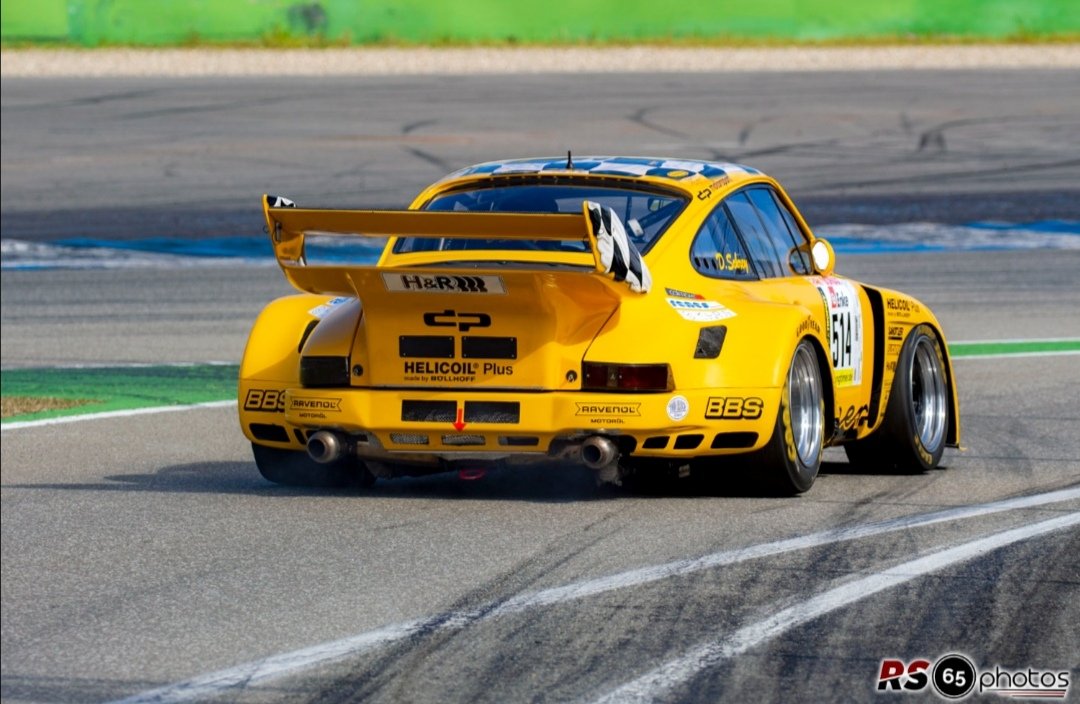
point(639, 316)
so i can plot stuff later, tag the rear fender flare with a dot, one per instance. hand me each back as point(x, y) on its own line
point(272, 352)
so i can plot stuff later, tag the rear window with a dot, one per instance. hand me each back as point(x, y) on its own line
point(646, 214)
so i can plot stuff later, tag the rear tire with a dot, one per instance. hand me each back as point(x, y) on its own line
point(911, 439)
point(295, 468)
point(792, 458)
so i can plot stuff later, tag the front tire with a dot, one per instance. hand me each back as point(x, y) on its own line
point(793, 456)
point(293, 468)
point(912, 437)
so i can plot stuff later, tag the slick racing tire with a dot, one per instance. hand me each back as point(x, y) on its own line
point(293, 468)
point(912, 437)
point(792, 458)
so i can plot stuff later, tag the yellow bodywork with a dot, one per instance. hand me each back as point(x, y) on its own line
point(562, 311)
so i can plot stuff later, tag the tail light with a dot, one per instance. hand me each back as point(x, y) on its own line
point(598, 376)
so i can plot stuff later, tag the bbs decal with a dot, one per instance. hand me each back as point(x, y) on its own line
point(733, 408)
point(265, 400)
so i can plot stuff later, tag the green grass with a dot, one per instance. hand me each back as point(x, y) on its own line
point(287, 24)
point(118, 388)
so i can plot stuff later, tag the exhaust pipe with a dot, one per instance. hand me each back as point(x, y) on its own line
point(598, 452)
point(325, 447)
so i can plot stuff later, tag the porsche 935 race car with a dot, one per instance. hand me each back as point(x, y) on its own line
point(634, 315)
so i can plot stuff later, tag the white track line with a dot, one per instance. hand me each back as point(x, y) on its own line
point(1012, 355)
point(276, 666)
point(658, 683)
point(1022, 340)
point(114, 414)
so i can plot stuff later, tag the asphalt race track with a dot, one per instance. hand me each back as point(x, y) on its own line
point(144, 557)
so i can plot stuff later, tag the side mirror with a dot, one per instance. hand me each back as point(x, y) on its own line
point(824, 257)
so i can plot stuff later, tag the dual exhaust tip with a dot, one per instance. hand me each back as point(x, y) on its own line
point(597, 451)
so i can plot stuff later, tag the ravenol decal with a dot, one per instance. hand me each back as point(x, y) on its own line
point(608, 409)
point(312, 403)
point(443, 283)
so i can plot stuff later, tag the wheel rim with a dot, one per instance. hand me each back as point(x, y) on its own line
point(928, 401)
point(804, 401)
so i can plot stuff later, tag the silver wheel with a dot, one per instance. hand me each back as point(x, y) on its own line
point(804, 399)
point(929, 404)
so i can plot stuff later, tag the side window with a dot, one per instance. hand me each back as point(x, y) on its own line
point(763, 252)
point(784, 239)
point(800, 238)
point(717, 251)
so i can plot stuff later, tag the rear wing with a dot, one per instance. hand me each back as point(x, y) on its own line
point(604, 252)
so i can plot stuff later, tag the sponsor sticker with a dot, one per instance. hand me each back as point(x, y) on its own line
point(843, 328)
point(808, 325)
point(321, 311)
point(443, 283)
point(452, 319)
point(706, 193)
point(678, 408)
point(700, 311)
point(440, 371)
point(901, 307)
point(608, 409)
point(683, 294)
point(852, 417)
point(733, 408)
point(265, 400)
point(313, 403)
point(313, 407)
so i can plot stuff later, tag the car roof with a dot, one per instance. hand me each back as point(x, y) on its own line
point(687, 174)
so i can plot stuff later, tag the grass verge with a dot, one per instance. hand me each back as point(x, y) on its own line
point(62, 392)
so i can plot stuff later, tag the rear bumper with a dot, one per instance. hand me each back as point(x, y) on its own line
point(505, 424)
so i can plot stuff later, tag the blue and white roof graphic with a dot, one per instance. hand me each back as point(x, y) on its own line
point(676, 169)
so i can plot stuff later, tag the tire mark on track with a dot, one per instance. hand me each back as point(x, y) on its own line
point(278, 666)
point(921, 178)
point(390, 669)
point(412, 126)
point(88, 100)
point(439, 163)
point(638, 117)
point(662, 682)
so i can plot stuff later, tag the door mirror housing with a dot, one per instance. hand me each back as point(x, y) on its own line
point(821, 252)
